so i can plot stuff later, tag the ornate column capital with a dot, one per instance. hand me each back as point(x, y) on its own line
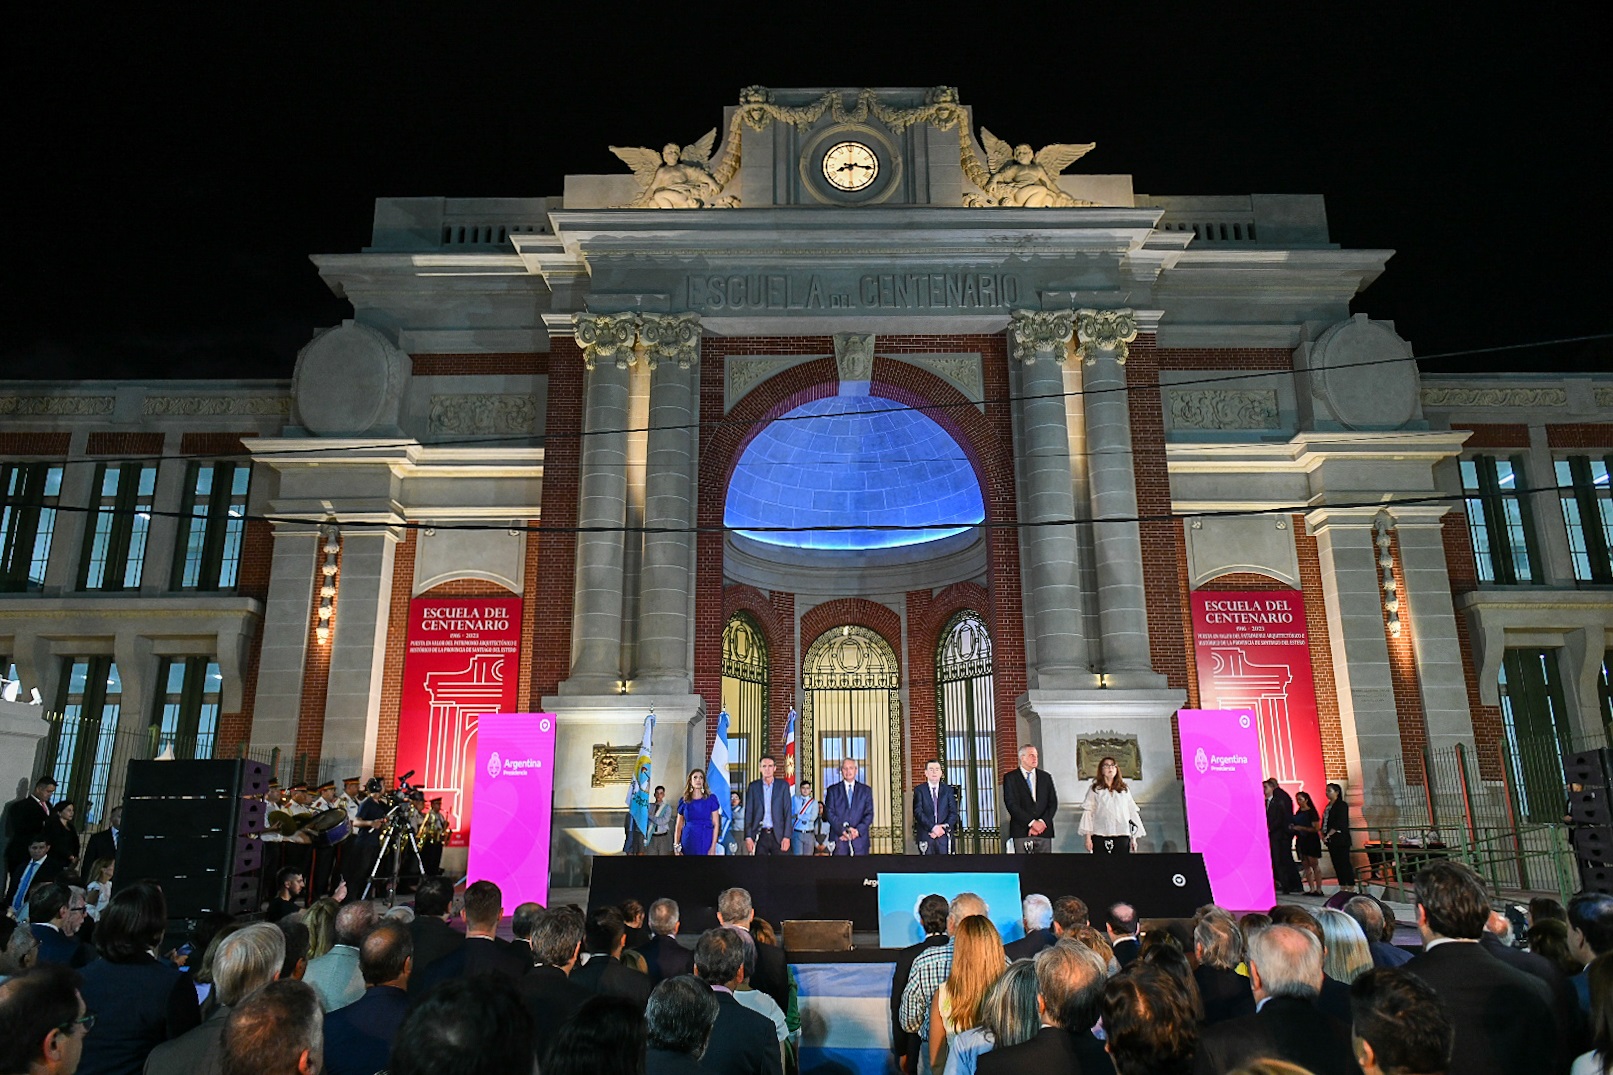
point(670, 338)
point(1104, 330)
point(606, 336)
point(1041, 333)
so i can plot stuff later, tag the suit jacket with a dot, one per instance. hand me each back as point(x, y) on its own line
point(1028, 945)
point(1385, 954)
point(433, 939)
point(928, 813)
point(1280, 815)
point(1126, 949)
point(858, 813)
point(138, 1005)
point(1021, 810)
point(1334, 1000)
point(358, 1038)
point(742, 1042)
point(552, 998)
point(772, 974)
point(195, 1052)
point(476, 957)
point(1286, 1028)
point(783, 818)
point(335, 977)
point(14, 878)
point(56, 947)
point(901, 1040)
point(1227, 994)
point(1053, 1050)
point(665, 958)
point(607, 977)
point(1571, 1028)
point(666, 1062)
point(1502, 1015)
point(25, 819)
point(100, 847)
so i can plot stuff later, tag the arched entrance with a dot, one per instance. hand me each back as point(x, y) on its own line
point(968, 726)
point(744, 696)
point(852, 710)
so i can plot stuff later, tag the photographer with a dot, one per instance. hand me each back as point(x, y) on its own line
point(365, 843)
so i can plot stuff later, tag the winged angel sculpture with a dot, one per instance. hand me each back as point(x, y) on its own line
point(680, 177)
point(1016, 176)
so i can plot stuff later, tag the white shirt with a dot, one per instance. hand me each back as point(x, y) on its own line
point(1110, 813)
point(1030, 778)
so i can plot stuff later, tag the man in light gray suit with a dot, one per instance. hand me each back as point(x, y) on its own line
point(246, 960)
point(336, 976)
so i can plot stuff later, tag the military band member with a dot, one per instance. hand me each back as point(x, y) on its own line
point(433, 836)
point(351, 796)
point(326, 855)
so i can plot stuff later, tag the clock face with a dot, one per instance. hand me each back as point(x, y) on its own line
point(850, 166)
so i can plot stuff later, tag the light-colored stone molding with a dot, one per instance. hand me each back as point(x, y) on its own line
point(1109, 331)
point(55, 406)
point(1041, 334)
point(608, 336)
point(482, 414)
point(1362, 375)
point(1504, 397)
point(1223, 408)
point(940, 109)
point(961, 371)
point(349, 382)
point(854, 355)
point(670, 338)
point(210, 406)
point(742, 373)
point(1604, 397)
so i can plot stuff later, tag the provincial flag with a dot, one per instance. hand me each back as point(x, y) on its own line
point(717, 778)
point(789, 749)
point(638, 797)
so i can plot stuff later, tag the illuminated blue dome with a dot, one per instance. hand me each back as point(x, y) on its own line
point(855, 462)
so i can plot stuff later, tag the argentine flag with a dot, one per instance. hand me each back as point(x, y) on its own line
point(717, 778)
point(789, 750)
point(638, 798)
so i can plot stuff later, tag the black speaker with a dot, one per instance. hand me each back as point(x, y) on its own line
point(1596, 878)
point(1593, 843)
point(1588, 808)
point(192, 826)
point(1588, 767)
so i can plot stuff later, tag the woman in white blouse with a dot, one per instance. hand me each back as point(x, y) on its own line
point(1109, 817)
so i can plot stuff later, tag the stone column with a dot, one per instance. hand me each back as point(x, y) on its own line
point(358, 647)
point(672, 351)
point(67, 537)
point(285, 636)
point(1040, 340)
point(596, 648)
point(1112, 480)
point(1427, 602)
point(163, 531)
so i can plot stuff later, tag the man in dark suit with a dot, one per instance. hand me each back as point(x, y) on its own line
point(604, 974)
point(104, 844)
point(734, 909)
point(935, 812)
point(1502, 1015)
point(1121, 924)
point(358, 1038)
point(27, 875)
point(1398, 1023)
point(1030, 799)
point(244, 962)
point(25, 819)
point(482, 952)
point(932, 917)
point(664, 957)
point(1497, 940)
point(54, 915)
point(1368, 914)
point(1218, 949)
point(1279, 816)
point(1334, 996)
point(1036, 912)
point(1285, 972)
point(430, 932)
point(768, 818)
point(848, 811)
point(742, 1042)
point(677, 1025)
point(1070, 979)
point(548, 991)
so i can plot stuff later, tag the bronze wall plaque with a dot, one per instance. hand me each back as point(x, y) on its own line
point(1124, 749)
point(613, 764)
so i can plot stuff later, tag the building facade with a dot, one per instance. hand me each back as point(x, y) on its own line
point(843, 410)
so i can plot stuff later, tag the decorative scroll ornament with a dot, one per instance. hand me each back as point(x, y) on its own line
point(482, 414)
point(1224, 408)
point(606, 336)
point(681, 177)
point(854, 356)
point(1017, 176)
point(1038, 333)
point(1104, 330)
point(670, 338)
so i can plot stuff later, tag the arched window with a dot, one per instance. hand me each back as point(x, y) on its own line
point(744, 695)
point(853, 710)
point(968, 727)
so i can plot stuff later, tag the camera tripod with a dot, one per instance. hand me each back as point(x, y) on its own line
point(399, 833)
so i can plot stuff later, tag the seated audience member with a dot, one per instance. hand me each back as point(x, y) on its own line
point(1548, 938)
point(1036, 914)
point(931, 967)
point(296, 939)
point(604, 938)
point(43, 1022)
point(977, 962)
point(25, 875)
point(1544, 907)
point(335, 976)
point(276, 1031)
point(547, 990)
point(633, 921)
point(522, 921)
point(20, 952)
point(772, 969)
point(742, 1041)
point(1599, 1060)
point(1069, 990)
point(932, 916)
point(1069, 915)
point(358, 1038)
point(1474, 986)
point(1590, 934)
point(605, 1037)
point(482, 952)
point(677, 1023)
point(1334, 997)
point(1149, 1023)
point(1399, 1026)
point(1368, 914)
point(288, 885)
point(247, 959)
point(1218, 947)
point(1088, 937)
point(433, 937)
point(1285, 972)
point(1122, 925)
point(321, 922)
point(664, 956)
point(1250, 922)
point(1008, 1016)
point(1346, 954)
point(753, 998)
point(54, 915)
point(205, 939)
point(1570, 1021)
point(466, 1026)
point(139, 1002)
point(1174, 962)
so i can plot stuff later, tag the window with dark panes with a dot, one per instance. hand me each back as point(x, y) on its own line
point(1499, 519)
point(1587, 502)
point(186, 718)
point(28, 493)
point(115, 537)
point(208, 553)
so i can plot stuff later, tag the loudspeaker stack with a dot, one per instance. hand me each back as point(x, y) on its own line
point(193, 827)
point(1590, 824)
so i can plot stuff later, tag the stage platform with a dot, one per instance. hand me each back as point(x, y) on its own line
point(786, 887)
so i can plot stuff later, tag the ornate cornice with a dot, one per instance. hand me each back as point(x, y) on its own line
point(1104, 330)
point(670, 338)
point(1041, 334)
point(482, 414)
point(606, 336)
point(1496, 397)
point(209, 406)
point(55, 406)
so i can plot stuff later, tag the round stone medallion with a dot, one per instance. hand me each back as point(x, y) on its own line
point(1366, 374)
point(348, 382)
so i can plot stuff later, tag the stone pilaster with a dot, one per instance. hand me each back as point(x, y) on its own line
point(1427, 601)
point(1039, 343)
point(285, 636)
point(1112, 481)
point(358, 647)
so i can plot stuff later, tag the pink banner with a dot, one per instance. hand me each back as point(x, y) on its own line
point(1226, 806)
point(509, 843)
point(1253, 653)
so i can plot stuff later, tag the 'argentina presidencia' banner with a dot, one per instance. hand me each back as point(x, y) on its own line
point(1226, 806)
point(514, 779)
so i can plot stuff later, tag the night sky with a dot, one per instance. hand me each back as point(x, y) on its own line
point(171, 177)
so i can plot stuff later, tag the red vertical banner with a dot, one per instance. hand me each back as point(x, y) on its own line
point(1253, 652)
point(461, 661)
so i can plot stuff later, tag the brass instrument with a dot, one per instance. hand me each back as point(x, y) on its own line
point(286, 823)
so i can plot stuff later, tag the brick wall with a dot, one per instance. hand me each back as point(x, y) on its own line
point(397, 633)
point(1591, 435)
point(775, 615)
point(104, 443)
point(556, 556)
point(1404, 677)
point(1327, 690)
point(1497, 435)
point(315, 680)
point(507, 365)
point(35, 443)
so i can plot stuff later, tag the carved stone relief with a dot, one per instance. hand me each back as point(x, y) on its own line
point(209, 406)
point(1041, 334)
point(670, 338)
point(1501, 397)
point(1109, 331)
point(962, 371)
point(482, 414)
point(55, 406)
point(1223, 408)
point(742, 373)
point(613, 764)
point(854, 356)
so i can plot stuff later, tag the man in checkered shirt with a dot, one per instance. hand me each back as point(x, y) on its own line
point(931, 968)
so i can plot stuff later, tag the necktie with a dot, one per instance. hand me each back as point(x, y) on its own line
point(22, 887)
point(848, 794)
point(767, 805)
point(1030, 778)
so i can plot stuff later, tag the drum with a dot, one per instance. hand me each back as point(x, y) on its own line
point(330, 827)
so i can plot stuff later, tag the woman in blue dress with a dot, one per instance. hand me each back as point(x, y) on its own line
point(698, 812)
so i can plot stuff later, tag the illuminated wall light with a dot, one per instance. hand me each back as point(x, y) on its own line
point(330, 546)
point(1386, 560)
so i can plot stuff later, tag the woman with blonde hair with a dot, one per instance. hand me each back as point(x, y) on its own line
point(1348, 954)
point(1008, 1016)
point(1110, 820)
point(698, 814)
point(978, 961)
point(321, 922)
